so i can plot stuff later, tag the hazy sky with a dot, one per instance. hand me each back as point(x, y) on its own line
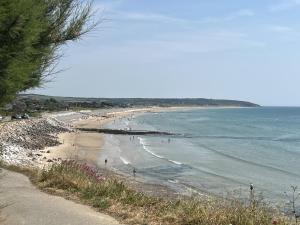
point(230, 49)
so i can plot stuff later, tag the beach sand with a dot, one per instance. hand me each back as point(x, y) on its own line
point(85, 146)
point(77, 145)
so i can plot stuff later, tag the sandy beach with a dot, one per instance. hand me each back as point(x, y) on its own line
point(54, 137)
point(85, 146)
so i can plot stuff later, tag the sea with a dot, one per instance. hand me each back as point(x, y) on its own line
point(219, 151)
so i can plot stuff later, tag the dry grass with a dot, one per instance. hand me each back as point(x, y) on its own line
point(110, 195)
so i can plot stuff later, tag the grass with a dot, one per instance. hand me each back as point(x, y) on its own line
point(110, 195)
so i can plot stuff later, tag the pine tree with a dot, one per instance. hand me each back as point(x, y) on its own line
point(31, 33)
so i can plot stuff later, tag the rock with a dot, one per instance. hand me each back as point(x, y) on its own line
point(22, 141)
point(49, 160)
point(48, 151)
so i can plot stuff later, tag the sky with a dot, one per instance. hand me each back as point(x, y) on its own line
point(233, 49)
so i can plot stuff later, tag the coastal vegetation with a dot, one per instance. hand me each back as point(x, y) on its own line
point(107, 193)
point(39, 103)
point(31, 35)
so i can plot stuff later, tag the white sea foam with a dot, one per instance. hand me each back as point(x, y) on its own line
point(144, 144)
point(173, 181)
point(175, 162)
point(146, 148)
point(124, 161)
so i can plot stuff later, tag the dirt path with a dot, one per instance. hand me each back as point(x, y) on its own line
point(30, 206)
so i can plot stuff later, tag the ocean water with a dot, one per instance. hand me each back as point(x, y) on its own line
point(216, 151)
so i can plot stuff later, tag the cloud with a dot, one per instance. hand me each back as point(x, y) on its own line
point(152, 17)
point(185, 39)
point(113, 8)
point(149, 17)
point(230, 17)
point(284, 5)
point(280, 28)
point(241, 13)
point(284, 33)
point(172, 45)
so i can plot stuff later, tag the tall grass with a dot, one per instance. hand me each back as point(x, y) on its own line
point(110, 195)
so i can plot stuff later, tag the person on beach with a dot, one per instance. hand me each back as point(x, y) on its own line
point(251, 193)
point(134, 172)
point(105, 161)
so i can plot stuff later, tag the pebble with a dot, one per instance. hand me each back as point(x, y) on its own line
point(23, 141)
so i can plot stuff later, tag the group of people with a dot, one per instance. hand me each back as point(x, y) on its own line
point(131, 138)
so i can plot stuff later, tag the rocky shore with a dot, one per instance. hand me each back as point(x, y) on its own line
point(23, 142)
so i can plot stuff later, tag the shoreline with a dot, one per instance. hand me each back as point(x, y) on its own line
point(52, 137)
point(70, 143)
point(87, 147)
point(84, 144)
